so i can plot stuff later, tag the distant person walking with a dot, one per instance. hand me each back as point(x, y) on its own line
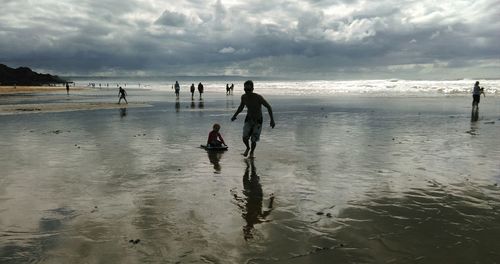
point(476, 95)
point(200, 89)
point(67, 88)
point(253, 120)
point(122, 94)
point(177, 88)
point(227, 89)
point(192, 91)
point(231, 88)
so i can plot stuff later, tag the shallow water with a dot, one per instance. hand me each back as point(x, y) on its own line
point(349, 179)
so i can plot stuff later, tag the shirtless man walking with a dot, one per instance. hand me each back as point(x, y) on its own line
point(253, 120)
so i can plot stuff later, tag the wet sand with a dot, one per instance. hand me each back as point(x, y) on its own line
point(340, 179)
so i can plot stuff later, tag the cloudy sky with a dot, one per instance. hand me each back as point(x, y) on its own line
point(324, 39)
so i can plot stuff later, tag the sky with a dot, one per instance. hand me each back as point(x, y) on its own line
point(308, 39)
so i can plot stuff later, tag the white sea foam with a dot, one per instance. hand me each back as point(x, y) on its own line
point(372, 87)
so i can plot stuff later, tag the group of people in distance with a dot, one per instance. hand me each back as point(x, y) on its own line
point(177, 88)
point(253, 120)
point(229, 89)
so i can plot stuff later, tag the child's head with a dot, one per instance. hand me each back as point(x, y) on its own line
point(216, 127)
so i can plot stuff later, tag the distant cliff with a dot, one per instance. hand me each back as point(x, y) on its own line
point(25, 76)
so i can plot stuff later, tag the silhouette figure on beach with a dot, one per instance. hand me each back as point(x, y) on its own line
point(200, 89)
point(214, 137)
point(253, 119)
point(251, 203)
point(67, 88)
point(122, 94)
point(228, 90)
point(476, 98)
point(476, 95)
point(177, 89)
point(192, 91)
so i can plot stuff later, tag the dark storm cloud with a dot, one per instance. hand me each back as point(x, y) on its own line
point(262, 37)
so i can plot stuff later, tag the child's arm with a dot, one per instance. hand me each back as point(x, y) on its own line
point(221, 139)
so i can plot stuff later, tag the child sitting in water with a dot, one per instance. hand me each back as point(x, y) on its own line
point(214, 137)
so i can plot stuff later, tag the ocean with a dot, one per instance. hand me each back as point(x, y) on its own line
point(381, 171)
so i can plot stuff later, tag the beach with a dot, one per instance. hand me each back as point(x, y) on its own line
point(347, 178)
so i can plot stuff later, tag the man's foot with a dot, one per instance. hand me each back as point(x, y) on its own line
point(251, 155)
point(246, 152)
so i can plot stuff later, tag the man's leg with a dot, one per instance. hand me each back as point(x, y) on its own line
point(245, 140)
point(254, 144)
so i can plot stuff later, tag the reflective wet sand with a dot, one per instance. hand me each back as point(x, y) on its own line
point(340, 179)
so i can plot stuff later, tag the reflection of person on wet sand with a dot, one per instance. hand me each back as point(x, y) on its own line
point(251, 204)
point(177, 105)
point(123, 112)
point(214, 158)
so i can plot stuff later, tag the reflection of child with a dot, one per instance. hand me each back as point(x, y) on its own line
point(214, 137)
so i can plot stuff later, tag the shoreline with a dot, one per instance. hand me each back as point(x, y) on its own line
point(11, 90)
point(63, 107)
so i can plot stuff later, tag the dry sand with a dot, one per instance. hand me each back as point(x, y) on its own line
point(34, 89)
point(14, 108)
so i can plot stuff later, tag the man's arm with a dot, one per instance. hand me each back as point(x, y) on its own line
point(240, 108)
point(269, 110)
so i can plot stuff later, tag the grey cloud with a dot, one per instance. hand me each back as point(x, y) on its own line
point(262, 37)
point(172, 19)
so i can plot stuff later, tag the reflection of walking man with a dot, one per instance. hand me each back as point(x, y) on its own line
point(253, 120)
point(251, 203)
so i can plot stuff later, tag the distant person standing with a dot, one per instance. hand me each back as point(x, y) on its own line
point(122, 94)
point(200, 89)
point(227, 89)
point(253, 120)
point(67, 88)
point(177, 88)
point(476, 95)
point(231, 88)
point(192, 91)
